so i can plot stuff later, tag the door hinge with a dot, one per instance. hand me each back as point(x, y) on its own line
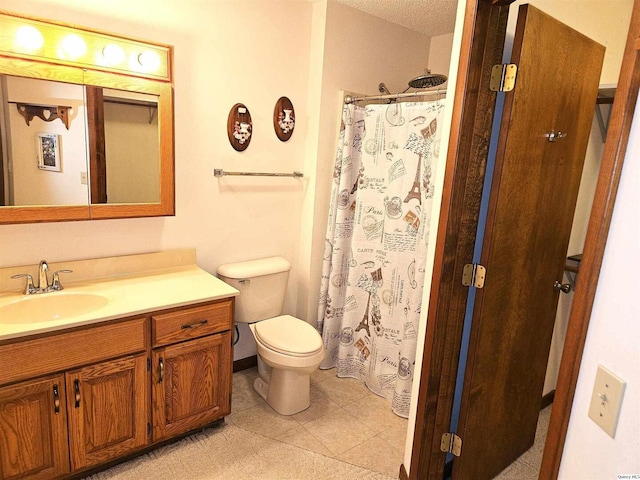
point(503, 77)
point(451, 443)
point(473, 274)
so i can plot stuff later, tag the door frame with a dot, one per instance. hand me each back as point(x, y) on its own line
point(482, 45)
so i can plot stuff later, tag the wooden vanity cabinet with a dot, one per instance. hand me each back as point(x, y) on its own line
point(108, 409)
point(88, 403)
point(33, 417)
point(192, 368)
point(73, 400)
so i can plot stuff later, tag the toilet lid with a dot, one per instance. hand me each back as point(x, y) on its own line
point(289, 335)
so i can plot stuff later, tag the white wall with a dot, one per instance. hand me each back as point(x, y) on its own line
point(440, 54)
point(613, 341)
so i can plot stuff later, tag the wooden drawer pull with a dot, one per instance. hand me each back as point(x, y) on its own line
point(195, 324)
point(76, 388)
point(56, 399)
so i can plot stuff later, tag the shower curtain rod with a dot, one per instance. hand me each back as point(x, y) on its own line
point(352, 99)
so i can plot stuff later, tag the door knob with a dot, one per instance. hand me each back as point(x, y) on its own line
point(564, 287)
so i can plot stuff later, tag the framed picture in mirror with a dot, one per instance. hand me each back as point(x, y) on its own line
point(48, 150)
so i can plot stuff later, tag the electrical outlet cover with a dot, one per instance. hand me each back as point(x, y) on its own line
point(606, 400)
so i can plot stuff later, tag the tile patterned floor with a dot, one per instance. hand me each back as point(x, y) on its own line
point(226, 452)
point(348, 432)
point(345, 421)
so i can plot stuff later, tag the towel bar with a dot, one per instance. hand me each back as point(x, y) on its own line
point(218, 172)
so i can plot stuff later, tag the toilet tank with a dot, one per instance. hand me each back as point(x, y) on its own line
point(262, 284)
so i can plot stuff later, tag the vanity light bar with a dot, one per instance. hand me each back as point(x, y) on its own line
point(68, 45)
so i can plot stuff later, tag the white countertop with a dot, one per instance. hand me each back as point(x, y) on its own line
point(126, 295)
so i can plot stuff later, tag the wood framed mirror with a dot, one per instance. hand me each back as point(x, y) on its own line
point(103, 104)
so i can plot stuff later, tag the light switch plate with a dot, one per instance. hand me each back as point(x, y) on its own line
point(83, 178)
point(606, 400)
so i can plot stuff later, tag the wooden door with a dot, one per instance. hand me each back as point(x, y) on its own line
point(33, 430)
point(97, 148)
point(191, 384)
point(108, 405)
point(531, 207)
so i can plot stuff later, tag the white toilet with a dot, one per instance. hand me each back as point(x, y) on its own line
point(289, 349)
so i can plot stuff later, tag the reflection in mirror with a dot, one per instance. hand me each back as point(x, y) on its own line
point(43, 157)
point(124, 146)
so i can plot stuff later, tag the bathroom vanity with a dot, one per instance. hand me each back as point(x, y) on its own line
point(83, 389)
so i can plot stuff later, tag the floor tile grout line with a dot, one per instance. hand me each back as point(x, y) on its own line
point(347, 413)
point(332, 456)
point(372, 433)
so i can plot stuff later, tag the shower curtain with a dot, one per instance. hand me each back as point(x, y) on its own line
point(375, 249)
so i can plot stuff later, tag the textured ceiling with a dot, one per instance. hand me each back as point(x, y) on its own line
point(431, 17)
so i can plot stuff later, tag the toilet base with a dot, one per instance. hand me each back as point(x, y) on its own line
point(287, 392)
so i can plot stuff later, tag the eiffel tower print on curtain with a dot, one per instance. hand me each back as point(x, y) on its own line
point(420, 146)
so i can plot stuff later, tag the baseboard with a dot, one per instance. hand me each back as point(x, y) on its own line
point(547, 399)
point(403, 475)
point(245, 363)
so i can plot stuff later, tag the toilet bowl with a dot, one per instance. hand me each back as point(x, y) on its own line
point(285, 362)
point(289, 349)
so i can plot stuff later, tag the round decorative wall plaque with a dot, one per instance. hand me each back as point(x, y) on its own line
point(284, 119)
point(239, 127)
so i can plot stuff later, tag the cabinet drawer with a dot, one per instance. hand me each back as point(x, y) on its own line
point(54, 353)
point(191, 322)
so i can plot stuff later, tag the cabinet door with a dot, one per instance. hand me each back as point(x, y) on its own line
point(191, 384)
point(33, 430)
point(108, 410)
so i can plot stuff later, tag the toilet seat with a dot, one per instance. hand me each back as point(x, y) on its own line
point(288, 335)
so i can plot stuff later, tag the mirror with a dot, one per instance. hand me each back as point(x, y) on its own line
point(84, 138)
point(44, 157)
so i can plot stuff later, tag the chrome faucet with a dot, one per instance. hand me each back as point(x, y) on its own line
point(43, 281)
point(43, 285)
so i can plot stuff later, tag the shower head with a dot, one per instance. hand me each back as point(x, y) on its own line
point(428, 80)
point(382, 88)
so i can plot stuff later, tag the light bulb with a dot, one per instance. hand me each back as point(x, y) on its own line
point(149, 61)
point(113, 54)
point(74, 46)
point(29, 38)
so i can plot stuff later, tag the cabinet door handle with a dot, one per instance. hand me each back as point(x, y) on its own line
point(161, 365)
point(195, 324)
point(76, 388)
point(56, 399)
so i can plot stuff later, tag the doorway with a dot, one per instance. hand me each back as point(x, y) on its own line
point(530, 211)
point(438, 354)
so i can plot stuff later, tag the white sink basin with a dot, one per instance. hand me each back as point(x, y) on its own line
point(47, 307)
